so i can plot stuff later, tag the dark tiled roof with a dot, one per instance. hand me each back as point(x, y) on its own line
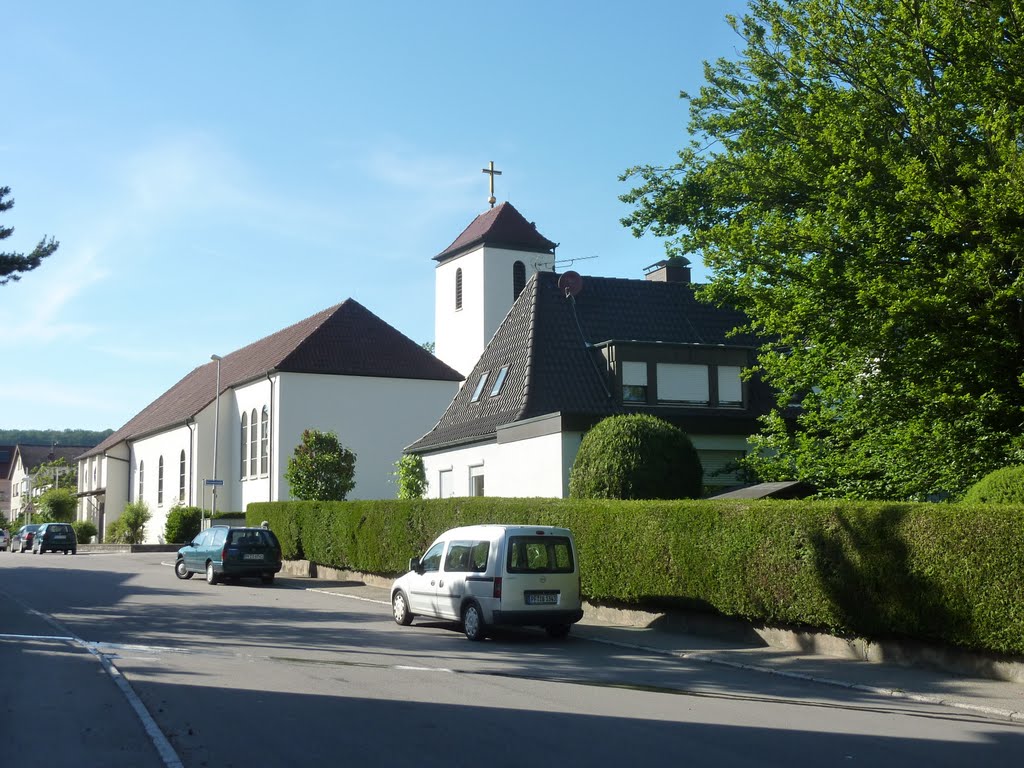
point(502, 227)
point(344, 340)
point(551, 368)
point(34, 455)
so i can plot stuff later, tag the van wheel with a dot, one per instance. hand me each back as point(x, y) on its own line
point(400, 609)
point(558, 630)
point(211, 577)
point(473, 622)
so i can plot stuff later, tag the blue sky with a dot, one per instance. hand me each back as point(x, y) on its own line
point(216, 171)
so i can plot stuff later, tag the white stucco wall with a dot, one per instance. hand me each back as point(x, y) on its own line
point(460, 335)
point(374, 417)
point(167, 445)
point(256, 485)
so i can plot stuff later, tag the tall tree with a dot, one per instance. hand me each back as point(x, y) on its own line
point(13, 264)
point(856, 185)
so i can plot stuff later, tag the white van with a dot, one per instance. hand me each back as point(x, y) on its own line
point(494, 575)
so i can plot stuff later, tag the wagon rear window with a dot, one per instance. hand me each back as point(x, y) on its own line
point(540, 554)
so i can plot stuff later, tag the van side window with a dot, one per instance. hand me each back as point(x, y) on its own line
point(539, 554)
point(467, 556)
point(432, 560)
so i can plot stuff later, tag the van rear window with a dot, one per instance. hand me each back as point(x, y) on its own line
point(539, 554)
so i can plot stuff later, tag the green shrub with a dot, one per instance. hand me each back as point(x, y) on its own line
point(130, 527)
point(411, 476)
point(1004, 486)
point(947, 573)
point(183, 524)
point(84, 530)
point(321, 469)
point(636, 456)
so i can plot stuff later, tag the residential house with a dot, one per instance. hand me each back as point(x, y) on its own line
point(24, 478)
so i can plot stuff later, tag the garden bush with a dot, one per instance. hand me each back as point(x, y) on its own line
point(84, 530)
point(130, 527)
point(183, 524)
point(636, 456)
point(1003, 486)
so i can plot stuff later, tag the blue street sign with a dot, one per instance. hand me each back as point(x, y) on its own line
point(214, 482)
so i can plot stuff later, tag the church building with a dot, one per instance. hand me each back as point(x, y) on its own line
point(547, 356)
point(222, 436)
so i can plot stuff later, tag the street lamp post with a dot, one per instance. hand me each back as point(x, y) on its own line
point(216, 437)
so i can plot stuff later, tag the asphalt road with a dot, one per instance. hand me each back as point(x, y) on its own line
point(109, 660)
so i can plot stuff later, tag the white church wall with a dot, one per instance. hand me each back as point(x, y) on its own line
point(160, 498)
point(373, 417)
point(256, 484)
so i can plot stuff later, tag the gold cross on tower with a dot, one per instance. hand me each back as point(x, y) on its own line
point(492, 199)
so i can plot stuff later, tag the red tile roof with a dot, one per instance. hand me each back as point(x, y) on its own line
point(344, 340)
point(502, 227)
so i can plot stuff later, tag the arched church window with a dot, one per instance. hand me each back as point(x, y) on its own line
point(245, 445)
point(142, 472)
point(458, 288)
point(160, 481)
point(518, 279)
point(181, 477)
point(265, 441)
point(252, 443)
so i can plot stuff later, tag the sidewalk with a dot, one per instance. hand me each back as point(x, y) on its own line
point(993, 698)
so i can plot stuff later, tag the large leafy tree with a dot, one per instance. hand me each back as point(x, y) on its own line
point(856, 185)
point(13, 264)
point(321, 469)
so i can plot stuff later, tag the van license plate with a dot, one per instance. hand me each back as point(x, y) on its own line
point(541, 598)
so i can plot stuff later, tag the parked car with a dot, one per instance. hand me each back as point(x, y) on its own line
point(228, 553)
point(55, 537)
point(494, 575)
point(22, 539)
point(5, 539)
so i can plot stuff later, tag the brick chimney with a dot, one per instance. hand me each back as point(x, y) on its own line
point(673, 270)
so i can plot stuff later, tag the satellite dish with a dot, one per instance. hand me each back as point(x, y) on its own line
point(570, 283)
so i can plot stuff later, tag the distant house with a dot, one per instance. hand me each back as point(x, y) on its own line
point(343, 369)
point(567, 351)
point(6, 454)
point(22, 475)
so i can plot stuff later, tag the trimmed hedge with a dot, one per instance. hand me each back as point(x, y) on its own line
point(942, 573)
point(1003, 486)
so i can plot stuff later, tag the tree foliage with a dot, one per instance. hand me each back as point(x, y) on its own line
point(855, 185)
point(57, 505)
point(83, 437)
point(411, 476)
point(322, 469)
point(183, 524)
point(12, 265)
point(636, 456)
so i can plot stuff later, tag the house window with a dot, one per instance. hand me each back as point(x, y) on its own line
point(518, 279)
point(265, 441)
point(476, 481)
point(458, 288)
point(730, 386)
point(634, 382)
point(479, 387)
point(181, 478)
point(245, 444)
point(444, 483)
point(252, 443)
point(142, 472)
point(160, 481)
point(499, 381)
point(683, 383)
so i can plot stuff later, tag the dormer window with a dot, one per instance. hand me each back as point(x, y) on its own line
point(499, 381)
point(479, 387)
point(683, 383)
point(730, 386)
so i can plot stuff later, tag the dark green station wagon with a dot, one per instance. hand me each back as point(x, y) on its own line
point(229, 553)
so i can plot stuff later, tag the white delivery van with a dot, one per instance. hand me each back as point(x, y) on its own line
point(494, 575)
